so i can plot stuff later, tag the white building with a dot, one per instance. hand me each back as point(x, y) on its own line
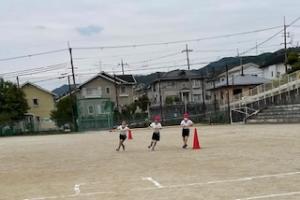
point(246, 69)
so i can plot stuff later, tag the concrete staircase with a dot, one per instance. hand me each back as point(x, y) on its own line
point(277, 114)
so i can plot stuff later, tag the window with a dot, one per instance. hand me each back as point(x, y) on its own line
point(35, 102)
point(278, 74)
point(197, 98)
point(154, 88)
point(91, 91)
point(91, 109)
point(99, 109)
point(237, 91)
point(171, 84)
point(123, 90)
point(196, 83)
point(272, 74)
point(107, 90)
point(207, 97)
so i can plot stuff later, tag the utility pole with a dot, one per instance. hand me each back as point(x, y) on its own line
point(285, 46)
point(256, 48)
point(241, 62)
point(18, 82)
point(70, 93)
point(160, 98)
point(73, 97)
point(100, 66)
point(228, 99)
point(214, 86)
point(187, 51)
point(116, 88)
point(72, 65)
point(122, 65)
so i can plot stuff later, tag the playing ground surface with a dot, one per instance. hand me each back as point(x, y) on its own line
point(236, 162)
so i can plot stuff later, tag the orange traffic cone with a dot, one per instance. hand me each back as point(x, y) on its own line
point(196, 144)
point(129, 135)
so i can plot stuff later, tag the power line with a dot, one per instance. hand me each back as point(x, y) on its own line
point(270, 38)
point(34, 54)
point(34, 70)
point(142, 45)
point(157, 58)
point(178, 41)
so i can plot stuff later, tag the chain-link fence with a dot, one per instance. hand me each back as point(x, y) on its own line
point(94, 114)
point(199, 113)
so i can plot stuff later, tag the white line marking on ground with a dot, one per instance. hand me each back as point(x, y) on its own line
point(77, 189)
point(271, 196)
point(157, 184)
point(229, 180)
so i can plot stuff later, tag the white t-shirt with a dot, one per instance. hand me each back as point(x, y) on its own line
point(156, 126)
point(123, 130)
point(186, 124)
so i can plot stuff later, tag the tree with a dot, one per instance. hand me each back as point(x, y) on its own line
point(143, 102)
point(169, 100)
point(63, 113)
point(13, 104)
point(294, 61)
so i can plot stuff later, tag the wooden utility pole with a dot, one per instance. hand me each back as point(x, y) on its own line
point(241, 62)
point(285, 46)
point(18, 82)
point(116, 88)
point(214, 86)
point(160, 98)
point(228, 98)
point(187, 51)
point(70, 93)
point(122, 65)
point(73, 97)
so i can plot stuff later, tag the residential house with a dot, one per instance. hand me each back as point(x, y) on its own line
point(248, 69)
point(237, 85)
point(118, 89)
point(241, 78)
point(41, 102)
point(275, 68)
point(180, 85)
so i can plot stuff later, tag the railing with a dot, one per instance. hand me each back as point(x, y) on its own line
point(277, 86)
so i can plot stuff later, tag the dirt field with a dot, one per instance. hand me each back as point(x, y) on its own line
point(236, 162)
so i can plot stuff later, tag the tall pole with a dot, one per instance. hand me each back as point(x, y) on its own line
point(228, 99)
point(285, 46)
point(18, 82)
point(122, 64)
point(72, 66)
point(74, 101)
point(241, 62)
point(160, 98)
point(187, 50)
point(70, 93)
point(116, 88)
point(214, 86)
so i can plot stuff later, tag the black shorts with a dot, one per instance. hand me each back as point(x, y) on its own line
point(123, 137)
point(156, 136)
point(185, 132)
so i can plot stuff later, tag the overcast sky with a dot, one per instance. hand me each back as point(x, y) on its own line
point(32, 26)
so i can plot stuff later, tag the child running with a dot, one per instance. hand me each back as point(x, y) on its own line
point(156, 126)
point(123, 135)
point(186, 123)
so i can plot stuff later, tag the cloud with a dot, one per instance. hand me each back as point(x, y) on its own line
point(89, 30)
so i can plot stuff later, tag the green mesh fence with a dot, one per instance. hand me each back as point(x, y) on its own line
point(94, 114)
